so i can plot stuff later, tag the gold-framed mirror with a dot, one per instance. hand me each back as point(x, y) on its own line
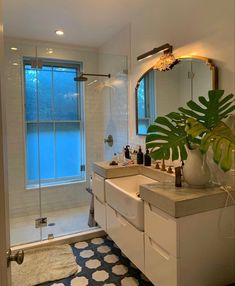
point(158, 93)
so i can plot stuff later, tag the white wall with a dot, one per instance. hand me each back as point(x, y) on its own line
point(204, 28)
point(114, 92)
point(22, 201)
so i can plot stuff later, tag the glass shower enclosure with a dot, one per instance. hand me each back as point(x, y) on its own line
point(55, 130)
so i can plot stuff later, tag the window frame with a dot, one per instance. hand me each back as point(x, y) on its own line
point(81, 120)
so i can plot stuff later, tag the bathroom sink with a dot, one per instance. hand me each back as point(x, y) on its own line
point(122, 195)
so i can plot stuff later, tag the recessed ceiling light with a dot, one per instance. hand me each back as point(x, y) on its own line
point(15, 64)
point(59, 32)
point(14, 49)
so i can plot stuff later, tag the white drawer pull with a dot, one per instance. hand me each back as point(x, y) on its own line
point(159, 249)
point(158, 213)
point(120, 218)
point(99, 200)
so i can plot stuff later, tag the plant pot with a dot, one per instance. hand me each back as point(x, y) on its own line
point(195, 170)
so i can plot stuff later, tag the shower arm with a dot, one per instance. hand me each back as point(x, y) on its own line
point(91, 74)
point(97, 74)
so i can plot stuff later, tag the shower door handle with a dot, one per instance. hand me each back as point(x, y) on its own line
point(18, 257)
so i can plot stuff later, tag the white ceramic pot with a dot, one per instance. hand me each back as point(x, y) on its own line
point(195, 170)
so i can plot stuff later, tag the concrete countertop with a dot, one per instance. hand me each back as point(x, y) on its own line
point(106, 171)
point(177, 202)
point(184, 201)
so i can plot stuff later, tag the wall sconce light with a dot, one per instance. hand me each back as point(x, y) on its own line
point(166, 62)
point(166, 48)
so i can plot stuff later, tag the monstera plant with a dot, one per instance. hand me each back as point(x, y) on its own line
point(198, 126)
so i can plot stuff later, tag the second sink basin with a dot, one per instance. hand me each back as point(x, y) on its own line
point(122, 195)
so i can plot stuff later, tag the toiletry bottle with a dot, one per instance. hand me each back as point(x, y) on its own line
point(147, 158)
point(140, 156)
point(114, 160)
point(127, 152)
point(134, 156)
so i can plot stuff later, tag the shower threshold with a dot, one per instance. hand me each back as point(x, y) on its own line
point(71, 238)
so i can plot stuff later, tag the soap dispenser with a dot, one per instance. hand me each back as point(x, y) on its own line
point(140, 156)
point(147, 158)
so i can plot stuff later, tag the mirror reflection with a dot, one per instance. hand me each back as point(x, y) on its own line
point(158, 93)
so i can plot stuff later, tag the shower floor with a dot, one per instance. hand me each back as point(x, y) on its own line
point(61, 222)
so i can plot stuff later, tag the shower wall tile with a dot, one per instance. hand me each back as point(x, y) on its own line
point(115, 96)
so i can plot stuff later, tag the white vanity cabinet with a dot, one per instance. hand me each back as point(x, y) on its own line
point(128, 238)
point(188, 237)
point(195, 250)
point(161, 247)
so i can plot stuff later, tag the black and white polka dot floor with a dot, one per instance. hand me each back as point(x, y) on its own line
point(101, 263)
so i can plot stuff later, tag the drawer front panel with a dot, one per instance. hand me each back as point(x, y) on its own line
point(129, 239)
point(160, 265)
point(161, 228)
point(100, 213)
point(98, 187)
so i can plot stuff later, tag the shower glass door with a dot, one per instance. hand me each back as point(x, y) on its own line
point(64, 201)
point(24, 200)
point(51, 147)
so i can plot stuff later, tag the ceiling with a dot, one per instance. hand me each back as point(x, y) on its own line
point(88, 23)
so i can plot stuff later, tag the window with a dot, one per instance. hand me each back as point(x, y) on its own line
point(53, 123)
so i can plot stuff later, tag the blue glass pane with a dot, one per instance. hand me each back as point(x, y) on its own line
point(141, 99)
point(44, 134)
point(32, 152)
point(46, 143)
point(65, 95)
point(142, 127)
point(68, 150)
point(45, 93)
point(31, 94)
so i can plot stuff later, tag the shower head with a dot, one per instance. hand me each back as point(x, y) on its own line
point(81, 77)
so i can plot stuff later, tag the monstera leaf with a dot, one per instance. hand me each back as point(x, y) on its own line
point(212, 110)
point(200, 124)
point(221, 138)
point(169, 138)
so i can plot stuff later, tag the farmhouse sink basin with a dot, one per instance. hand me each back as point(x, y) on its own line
point(122, 194)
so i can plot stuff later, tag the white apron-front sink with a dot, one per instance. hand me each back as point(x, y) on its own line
point(122, 195)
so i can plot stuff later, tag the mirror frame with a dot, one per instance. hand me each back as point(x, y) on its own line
point(214, 79)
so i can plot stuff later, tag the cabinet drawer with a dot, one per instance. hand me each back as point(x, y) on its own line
point(160, 265)
point(161, 228)
point(100, 212)
point(129, 239)
point(98, 187)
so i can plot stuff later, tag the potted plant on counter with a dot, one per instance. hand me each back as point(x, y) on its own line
point(187, 135)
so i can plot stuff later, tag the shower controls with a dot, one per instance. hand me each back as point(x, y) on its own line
point(40, 222)
point(109, 140)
